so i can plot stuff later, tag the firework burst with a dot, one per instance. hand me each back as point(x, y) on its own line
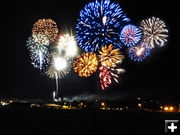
point(39, 54)
point(115, 73)
point(86, 64)
point(67, 46)
point(106, 75)
point(41, 39)
point(100, 23)
point(58, 67)
point(110, 57)
point(130, 35)
point(154, 32)
point(139, 53)
point(45, 27)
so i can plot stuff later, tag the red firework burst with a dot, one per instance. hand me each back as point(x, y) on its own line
point(105, 77)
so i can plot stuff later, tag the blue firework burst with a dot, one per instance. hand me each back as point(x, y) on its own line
point(130, 35)
point(39, 54)
point(139, 53)
point(100, 23)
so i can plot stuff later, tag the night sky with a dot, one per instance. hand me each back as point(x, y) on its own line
point(156, 76)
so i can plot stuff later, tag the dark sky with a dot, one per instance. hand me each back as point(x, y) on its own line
point(157, 76)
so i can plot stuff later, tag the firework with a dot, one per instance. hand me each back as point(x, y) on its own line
point(115, 72)
point(99, 23)
point(130, 35)
point(154, 32)
point(39, 54)
point(139, 53)
point(86, 64)
point(58, 67)
point(110, 57)
point(67, 46)
point(45, 27)
point(105, 77)
point(41, 39)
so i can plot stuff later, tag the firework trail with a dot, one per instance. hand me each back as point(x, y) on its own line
point(58, 69)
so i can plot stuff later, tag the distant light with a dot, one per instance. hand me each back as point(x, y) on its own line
point(166, 108)
point(102, 103)
point(161, 107)
point(4, 103)
point(139, 98)
point(171, 108)
point(139, 105)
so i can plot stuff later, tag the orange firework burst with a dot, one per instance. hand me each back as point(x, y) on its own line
point(86, 64)
point(110, 57)
point(46, 27)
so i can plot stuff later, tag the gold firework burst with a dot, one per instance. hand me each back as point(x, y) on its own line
point(86, 64)
point(110, 57)
point(46, 27)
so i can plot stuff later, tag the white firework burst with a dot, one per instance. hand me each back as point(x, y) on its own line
point(67, 46)
point(39, 54)
point(58, 68)
point(41, 39)
point(154, 32)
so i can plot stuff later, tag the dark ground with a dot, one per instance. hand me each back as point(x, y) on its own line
point(58, 122)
